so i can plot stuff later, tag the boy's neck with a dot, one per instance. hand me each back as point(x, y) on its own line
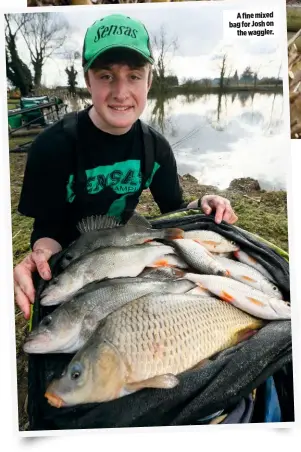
point(98, 123)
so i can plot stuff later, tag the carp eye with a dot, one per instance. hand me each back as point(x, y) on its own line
point(47, 320)
point(68, 256)
point(275, 288)
point(76, 371)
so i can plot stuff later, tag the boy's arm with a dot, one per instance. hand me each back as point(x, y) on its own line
point(43, 195)
point(165, 185)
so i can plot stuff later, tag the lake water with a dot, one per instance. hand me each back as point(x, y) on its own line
point(219, 138)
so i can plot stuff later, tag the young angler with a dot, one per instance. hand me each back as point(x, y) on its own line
point(102, 171)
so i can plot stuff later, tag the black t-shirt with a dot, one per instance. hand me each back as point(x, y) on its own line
point(49, 193)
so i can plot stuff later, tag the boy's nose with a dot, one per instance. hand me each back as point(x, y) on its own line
point(120, 91)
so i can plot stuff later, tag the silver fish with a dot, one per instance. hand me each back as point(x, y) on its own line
point(244, 297)
point(103, 231)
point(248, 275)
point(101, 264)
point(243, 257)
point(198, 257)
point(70, 325)
point(214, 242)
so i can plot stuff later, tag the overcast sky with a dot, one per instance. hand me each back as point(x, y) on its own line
point(199, 31)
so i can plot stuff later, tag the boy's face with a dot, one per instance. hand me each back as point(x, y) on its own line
point(119, 95)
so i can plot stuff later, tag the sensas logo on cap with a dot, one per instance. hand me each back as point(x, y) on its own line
point(105, 32)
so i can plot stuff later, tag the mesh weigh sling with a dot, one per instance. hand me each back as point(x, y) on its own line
point(222, 383)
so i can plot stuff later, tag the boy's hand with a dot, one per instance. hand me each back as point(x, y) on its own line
point(221, 206)
point(23, 283)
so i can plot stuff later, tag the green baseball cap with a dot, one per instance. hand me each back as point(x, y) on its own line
point(115, 31)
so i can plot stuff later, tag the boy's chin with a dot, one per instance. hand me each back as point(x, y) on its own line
point(122, 123)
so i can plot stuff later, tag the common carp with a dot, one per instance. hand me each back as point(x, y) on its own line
point(146, 344)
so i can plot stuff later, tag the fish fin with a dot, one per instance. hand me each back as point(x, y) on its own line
point(209, 242)
point(218, 419)
point(139, 220)
point(54, 400)
point(173, 234)
point(166, 381)
point(97, 222)
point(244, 334)
point(201, 364)
point(199, 289)
point(160, 263)
point(200, 242)
point(247, 278)
point(257, 302)
point(226, 297)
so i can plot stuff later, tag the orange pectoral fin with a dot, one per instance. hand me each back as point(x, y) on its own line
point(257, 302)
point(198, 241)
point(252, 260)
point(247, 278)
point(226, 297)
point(160, 263)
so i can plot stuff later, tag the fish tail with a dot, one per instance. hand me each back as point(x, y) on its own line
point(173, 234)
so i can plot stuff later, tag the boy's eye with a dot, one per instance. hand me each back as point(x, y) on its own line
point(105, 76)
point(136, 76)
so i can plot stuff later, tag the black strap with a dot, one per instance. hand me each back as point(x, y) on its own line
point(70, 127)
point(149, 154)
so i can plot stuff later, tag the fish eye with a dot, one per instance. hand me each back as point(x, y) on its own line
point(76, 371)
point(275, 288)
point(47, 320)
point(68, 256)
point(55, 280)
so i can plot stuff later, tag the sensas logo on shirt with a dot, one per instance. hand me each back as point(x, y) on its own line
point(123, 177)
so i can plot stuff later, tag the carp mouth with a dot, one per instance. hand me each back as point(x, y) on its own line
point(54, 400)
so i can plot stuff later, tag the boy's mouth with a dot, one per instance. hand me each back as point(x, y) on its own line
point(121, 107)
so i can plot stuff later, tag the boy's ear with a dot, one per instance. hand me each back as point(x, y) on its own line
point(86, 76)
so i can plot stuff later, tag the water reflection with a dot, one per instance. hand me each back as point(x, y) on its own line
point(219, 137)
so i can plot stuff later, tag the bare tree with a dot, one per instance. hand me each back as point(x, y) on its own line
point(163, 49)
point(71, 71)
point(223, 68)
point(17, 72)
point(44, 34)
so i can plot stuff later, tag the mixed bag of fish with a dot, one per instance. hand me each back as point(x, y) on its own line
point(138, 306)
